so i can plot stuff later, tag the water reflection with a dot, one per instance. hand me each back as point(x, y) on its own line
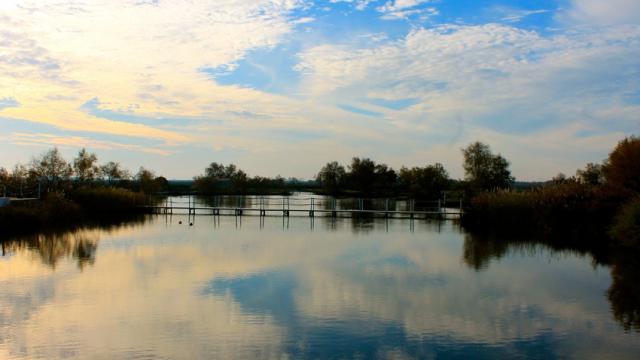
point(50, 248)
point(623, 294)
point(79, 244)
point(275, 287)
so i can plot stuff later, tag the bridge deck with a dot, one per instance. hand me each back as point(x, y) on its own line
point(239, 211)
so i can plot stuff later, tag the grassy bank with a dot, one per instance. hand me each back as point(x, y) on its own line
point(568, 211)
point(77, 208)
point(562, 209)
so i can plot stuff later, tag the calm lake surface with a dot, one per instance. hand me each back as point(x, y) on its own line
point(300, 288)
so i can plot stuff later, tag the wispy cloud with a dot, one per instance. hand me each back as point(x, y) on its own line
point(48, 140)
point(7, 102)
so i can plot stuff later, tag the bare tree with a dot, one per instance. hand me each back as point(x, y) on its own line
point(113, 171)
point(52, 168)
point(85, 165)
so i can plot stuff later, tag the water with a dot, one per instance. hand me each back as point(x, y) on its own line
point(300, 288)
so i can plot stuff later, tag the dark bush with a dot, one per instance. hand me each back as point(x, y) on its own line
point(563, 208)
point(108, 200)
point(626, 225)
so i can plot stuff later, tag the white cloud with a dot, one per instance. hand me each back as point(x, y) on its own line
point(400, 5)
point(496, 78)
point(117, 50)
point(55, 56)
point(403, 9)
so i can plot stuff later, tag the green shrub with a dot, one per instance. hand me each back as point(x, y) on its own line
point(626, 225)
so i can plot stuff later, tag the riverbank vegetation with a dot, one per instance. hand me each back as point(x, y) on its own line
point(55, 194)
point(600, 201)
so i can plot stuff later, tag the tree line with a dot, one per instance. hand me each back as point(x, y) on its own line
point(363, 176)
point(52, 172)
point(229, 179)
point(484, 170)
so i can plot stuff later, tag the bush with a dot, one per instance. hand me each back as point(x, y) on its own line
point(622, 170)
point(626, 226)
point(56, 211)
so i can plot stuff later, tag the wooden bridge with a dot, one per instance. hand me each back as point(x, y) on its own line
point(309, 206)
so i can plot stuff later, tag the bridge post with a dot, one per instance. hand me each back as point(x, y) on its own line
point(386, 208)
point(285, 206)
point(311, 214)
point(334, 213)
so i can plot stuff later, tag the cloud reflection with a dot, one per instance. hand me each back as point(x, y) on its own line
point(166, 290)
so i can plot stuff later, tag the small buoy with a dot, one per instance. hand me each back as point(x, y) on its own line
point(190, 224)
point(180, 222)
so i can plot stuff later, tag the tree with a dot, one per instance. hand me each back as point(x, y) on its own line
point(426, 182)
point(385, 178)
point(113, 171)
point(52, 168)
point(592, 174)
point(332, 177)
point(162, 183)
point(219, 171)
point(4, 181)
point(361, 175)
point(4, 175)
point(622, 169)
point(484, 170)
point(22, 178)
point(215, 175)
point(147, 181)
point(85, 166)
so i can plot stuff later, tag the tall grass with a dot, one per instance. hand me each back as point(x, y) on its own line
point(568, 208)
point(105, 201)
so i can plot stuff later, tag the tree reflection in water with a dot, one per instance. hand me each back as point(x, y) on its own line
point(624, 264)
point(50, 248)
point(624, 292)
point(478, 253)
point(79, 244)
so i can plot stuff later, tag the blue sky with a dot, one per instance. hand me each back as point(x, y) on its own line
point(284, 86)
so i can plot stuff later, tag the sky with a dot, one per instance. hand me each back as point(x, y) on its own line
point(285, 86)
